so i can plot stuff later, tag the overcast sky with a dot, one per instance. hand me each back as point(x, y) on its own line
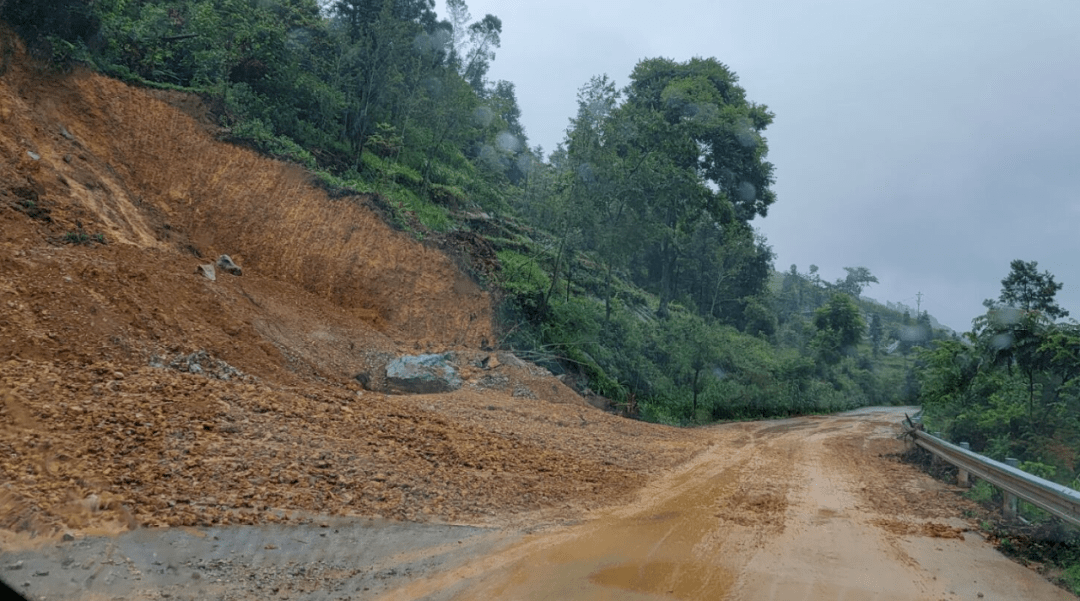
point(931, 142)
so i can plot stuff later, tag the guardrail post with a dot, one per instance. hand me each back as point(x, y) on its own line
point(962, 477)
point(934, 459)
point(1009, 504)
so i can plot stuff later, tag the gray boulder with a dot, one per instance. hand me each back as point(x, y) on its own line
point(207, 271)
point(421, 374)
point(225, 263)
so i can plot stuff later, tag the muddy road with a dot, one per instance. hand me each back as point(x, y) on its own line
point(806, 508)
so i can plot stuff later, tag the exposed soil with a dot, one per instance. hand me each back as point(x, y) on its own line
point(110, 197)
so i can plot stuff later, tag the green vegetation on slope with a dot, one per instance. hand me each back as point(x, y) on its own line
point(1011, 388)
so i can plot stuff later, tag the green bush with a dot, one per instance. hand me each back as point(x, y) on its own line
point(1071, 578)
point(983, 493)
point(522, 277)
point(256, 133)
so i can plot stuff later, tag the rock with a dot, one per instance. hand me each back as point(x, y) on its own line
point(524, 392)
point(200, 362)
point(34, 155)
point(207, 271)
point(494, 381)
point(421, 374)
point(510, 359)
point(225, 262)
point(64, 132)
point(68, 537)
point(16, 566)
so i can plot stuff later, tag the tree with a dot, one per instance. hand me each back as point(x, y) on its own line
point(924, 330)
point(36, 21)
point(472, 45)
point(695, 352)
point(1027, 289)
point(840, 328)
point(725, 266)
point(360, 15)
point(379, 50)
point(1015, 327)
point(599, 185)
point(857, 279)
point(692, 150)
point(876, 332)
point(484, 39)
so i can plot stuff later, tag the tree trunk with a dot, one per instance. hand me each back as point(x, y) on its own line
point(555, 269)
point(697, 374)
point(569, 275)
point(667, 280)
point(607, 294)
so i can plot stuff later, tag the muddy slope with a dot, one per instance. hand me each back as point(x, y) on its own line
point(109, 199)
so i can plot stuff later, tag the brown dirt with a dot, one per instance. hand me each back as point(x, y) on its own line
point(771, 511)
point(93, 436)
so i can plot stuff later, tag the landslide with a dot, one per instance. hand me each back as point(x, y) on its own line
point(110, 196)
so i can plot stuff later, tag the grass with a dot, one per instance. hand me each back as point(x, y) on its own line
point(80, 236)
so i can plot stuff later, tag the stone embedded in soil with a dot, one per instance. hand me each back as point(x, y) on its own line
point(207, 271)
point(421, 374)
point(226, 264)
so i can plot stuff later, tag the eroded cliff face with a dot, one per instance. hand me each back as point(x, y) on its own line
point(93, 158)
point(134, 391)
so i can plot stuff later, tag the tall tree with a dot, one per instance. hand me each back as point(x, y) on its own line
point(840, 328)
point(599, 186)
point(857, 279)
point(697, 153)
point(484, 39)
point(473, 44)
point(876, 332)
point(1015, 327)
point(360, 16)
point(695, 352)
point(1027, 289)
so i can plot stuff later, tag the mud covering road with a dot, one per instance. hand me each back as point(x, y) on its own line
point(806, 508)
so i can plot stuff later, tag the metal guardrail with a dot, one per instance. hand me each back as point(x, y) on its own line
point(1057, 499)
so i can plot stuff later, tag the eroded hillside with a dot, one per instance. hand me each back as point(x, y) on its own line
point(110, 197)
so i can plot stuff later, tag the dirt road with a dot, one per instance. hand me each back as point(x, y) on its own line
point(808, 508)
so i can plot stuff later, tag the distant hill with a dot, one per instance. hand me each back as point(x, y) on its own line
point(901, 307)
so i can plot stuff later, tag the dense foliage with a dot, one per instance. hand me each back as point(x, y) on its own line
point(626, 258)
point(1011, 386)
